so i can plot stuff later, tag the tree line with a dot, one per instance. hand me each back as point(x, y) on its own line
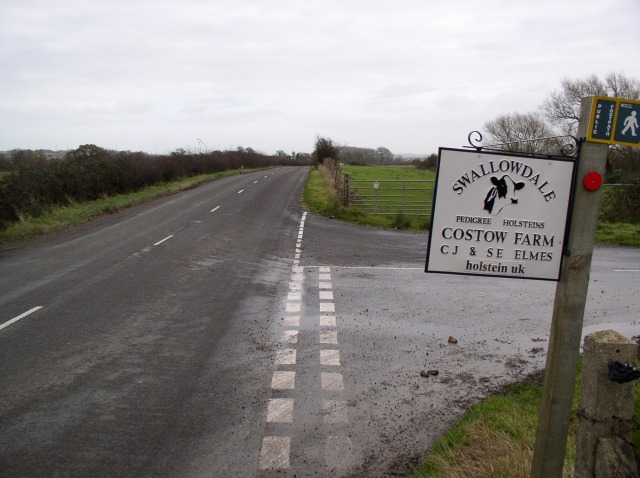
point(32, 182)
point(326, 148)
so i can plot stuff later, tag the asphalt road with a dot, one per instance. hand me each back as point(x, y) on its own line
point(225, 332)
point(144, 356)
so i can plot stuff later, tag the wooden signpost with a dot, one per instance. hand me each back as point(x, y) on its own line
point(568, 310)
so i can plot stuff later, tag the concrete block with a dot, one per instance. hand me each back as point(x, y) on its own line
point(615, 459)
point(601, 399)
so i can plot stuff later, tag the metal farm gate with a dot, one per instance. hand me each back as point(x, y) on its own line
point(389, 197)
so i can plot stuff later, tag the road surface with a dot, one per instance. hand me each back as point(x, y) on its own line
point(226, 332)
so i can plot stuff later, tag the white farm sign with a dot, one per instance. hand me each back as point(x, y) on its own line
point(499, 215)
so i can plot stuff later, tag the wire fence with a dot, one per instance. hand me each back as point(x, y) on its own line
point(620, 202)
point(390, 197)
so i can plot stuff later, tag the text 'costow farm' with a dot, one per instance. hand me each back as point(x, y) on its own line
point(489, 235)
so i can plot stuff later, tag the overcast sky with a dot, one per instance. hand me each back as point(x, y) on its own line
point(409, 75)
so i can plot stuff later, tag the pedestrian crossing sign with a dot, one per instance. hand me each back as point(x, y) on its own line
point(615, 121)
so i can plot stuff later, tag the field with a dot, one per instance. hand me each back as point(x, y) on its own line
point(383, 173)
point(401, 194)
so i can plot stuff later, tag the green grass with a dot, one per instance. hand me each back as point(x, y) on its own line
point(619, 233)
point(61, 218)
point(388, 172)
point(496, 437)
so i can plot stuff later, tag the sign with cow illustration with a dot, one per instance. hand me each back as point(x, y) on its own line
point(500, 215)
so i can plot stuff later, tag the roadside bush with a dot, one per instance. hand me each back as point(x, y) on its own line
point(35, 183)
point(621, 203)
point(401, 222)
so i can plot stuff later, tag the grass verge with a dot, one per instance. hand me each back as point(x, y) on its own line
point(496, 437)
point(619, 233)
point(61, 218)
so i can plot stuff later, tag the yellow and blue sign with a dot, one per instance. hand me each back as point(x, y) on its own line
point(615, 121)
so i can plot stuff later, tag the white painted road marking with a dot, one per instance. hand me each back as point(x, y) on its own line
point(21, 316)
point(286, 357)
point(626, 270)
point(327, 321)
point(291, 321)
point(215, 209)
point(330, 357)
point(163, 240)
point(332, 381)
point(283, 380)
point(327, 307)
point(329, 337)
point(280, 410)
point(290, 337)
point(293, 307)
point(326, 295)
point(275, 453)
point(241, 191)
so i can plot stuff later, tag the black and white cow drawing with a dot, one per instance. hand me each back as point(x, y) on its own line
point(501, 194)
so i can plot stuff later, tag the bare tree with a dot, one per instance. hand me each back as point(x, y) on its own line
point(384, 155)
point(562, 107)
point(325, 148)
point(522, 133)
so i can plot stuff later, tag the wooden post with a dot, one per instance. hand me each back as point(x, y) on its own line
point(568, 312)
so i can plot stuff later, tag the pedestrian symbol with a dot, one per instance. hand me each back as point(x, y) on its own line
point(630, 122)
point(627, 130)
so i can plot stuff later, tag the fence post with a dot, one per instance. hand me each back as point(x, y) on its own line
point(347, 193)
point(404, 194)
point(606, 409)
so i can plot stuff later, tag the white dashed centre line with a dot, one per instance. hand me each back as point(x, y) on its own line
point(21, 316)
point(163, 240)
point(215, 209)
point(241, 191)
